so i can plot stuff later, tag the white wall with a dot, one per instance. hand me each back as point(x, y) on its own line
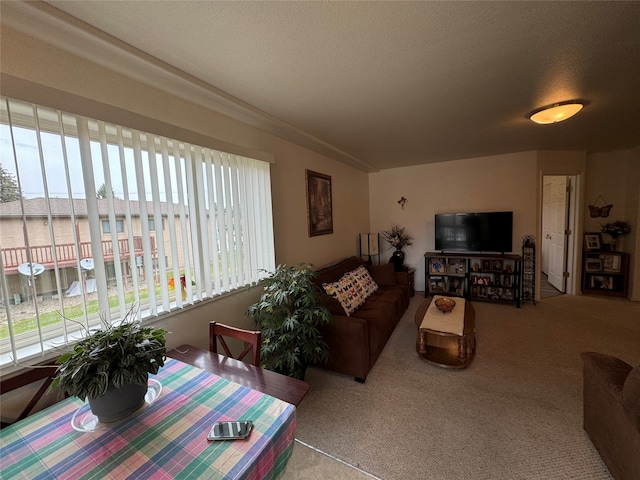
point(496, 183)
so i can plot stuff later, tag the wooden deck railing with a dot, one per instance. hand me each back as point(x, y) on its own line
point(66, 253)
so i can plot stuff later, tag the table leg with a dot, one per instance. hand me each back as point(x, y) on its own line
point(421, 343)
point(462, 347)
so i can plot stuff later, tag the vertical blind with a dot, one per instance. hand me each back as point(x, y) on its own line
point(118, 217)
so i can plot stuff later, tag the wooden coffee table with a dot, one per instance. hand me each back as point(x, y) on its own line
point(447, 349)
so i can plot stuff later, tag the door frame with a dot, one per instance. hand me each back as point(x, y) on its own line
point(573, 242)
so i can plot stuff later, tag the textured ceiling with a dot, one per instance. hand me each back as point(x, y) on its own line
point(402, 83)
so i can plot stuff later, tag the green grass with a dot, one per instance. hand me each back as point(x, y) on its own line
point(74, 312)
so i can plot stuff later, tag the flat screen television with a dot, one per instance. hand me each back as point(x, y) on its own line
point(474, 232)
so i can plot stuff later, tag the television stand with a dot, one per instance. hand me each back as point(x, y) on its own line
point(489, 277)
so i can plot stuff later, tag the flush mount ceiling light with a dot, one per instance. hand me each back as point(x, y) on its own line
point(556, 113)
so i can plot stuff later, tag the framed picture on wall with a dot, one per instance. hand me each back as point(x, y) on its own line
point(319, 206)
point(592, 241)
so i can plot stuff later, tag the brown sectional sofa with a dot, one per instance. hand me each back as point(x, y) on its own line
point(612, 412)
point(356, 341)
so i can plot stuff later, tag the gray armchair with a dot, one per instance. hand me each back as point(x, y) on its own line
point(612, 412)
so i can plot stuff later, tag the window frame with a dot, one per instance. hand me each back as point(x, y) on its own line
point(199, 192)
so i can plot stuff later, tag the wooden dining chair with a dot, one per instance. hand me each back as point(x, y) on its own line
point(252, 340)
point(42, 371)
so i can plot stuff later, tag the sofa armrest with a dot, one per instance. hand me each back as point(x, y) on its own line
point(402, 283)
point(607, 370)
point(631, 395)
point(348, 340)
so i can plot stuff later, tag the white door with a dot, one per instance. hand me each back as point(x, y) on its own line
point(546, 236)
point(556, 223)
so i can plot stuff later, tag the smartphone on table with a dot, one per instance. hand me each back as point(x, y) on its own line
point(230, 430)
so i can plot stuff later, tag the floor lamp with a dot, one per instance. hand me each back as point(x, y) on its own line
point(370, 246)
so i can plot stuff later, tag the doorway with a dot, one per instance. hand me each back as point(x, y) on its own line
point(558, 205)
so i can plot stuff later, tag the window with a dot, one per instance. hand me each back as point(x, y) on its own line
point(103, 189)
point(106, 226)
point(152, 224)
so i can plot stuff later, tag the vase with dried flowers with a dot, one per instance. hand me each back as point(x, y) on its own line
point(614, 230)
point(398, 239)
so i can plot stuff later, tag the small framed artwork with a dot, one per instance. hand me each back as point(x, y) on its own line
point(494, 293)
point(507, 280)
point(602, 282)
point(509, 266)
point(437, 265)
point(610, 263)
point(319, 208)
point(507, 294)
point(482, 291)
point(593, 265)
point(456, 286)
point(474, 290)
point(486, 265)
point(592, 241)
point(476, 265)
point(436, 285)
point(457, 266)
point(497, 265)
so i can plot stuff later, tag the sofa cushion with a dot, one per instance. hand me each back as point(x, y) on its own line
point(631, 393)
point(332, 304)
point(346, 291)
point(366, 282)
point(333, 272)
point(384, 275)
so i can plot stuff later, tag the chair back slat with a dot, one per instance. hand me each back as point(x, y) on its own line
point(27, 377)
point(251, 338)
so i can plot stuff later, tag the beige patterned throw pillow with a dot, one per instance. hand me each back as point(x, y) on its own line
point(365, 280)
point(346, 291)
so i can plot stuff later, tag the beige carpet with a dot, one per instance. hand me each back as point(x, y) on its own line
point(515, 413)
point(308, 463)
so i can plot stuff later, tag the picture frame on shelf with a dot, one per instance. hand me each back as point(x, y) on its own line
point(610, 263)
point(593, 265)
point(592, 241)
point(494, 293)
point(437, 265)
point(457, 266)
point(507, 294)
point(496, 266)
point(456, 286)
point(474, 290)
point(507, 280)
point(476, 265)
point(601, 282)
point(436, 285)
point(486, 265)
point(509, 266)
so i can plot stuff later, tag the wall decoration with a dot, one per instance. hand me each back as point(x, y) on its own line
point(319, 208)
point(596, 211)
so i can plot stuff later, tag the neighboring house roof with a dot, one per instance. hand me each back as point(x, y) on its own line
point(37, 207)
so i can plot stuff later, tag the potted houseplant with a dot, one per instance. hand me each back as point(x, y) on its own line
point(398, 239)
point(289, 314)
point(110, 366)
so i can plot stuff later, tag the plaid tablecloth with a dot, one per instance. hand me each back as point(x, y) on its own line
point(163, 440)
